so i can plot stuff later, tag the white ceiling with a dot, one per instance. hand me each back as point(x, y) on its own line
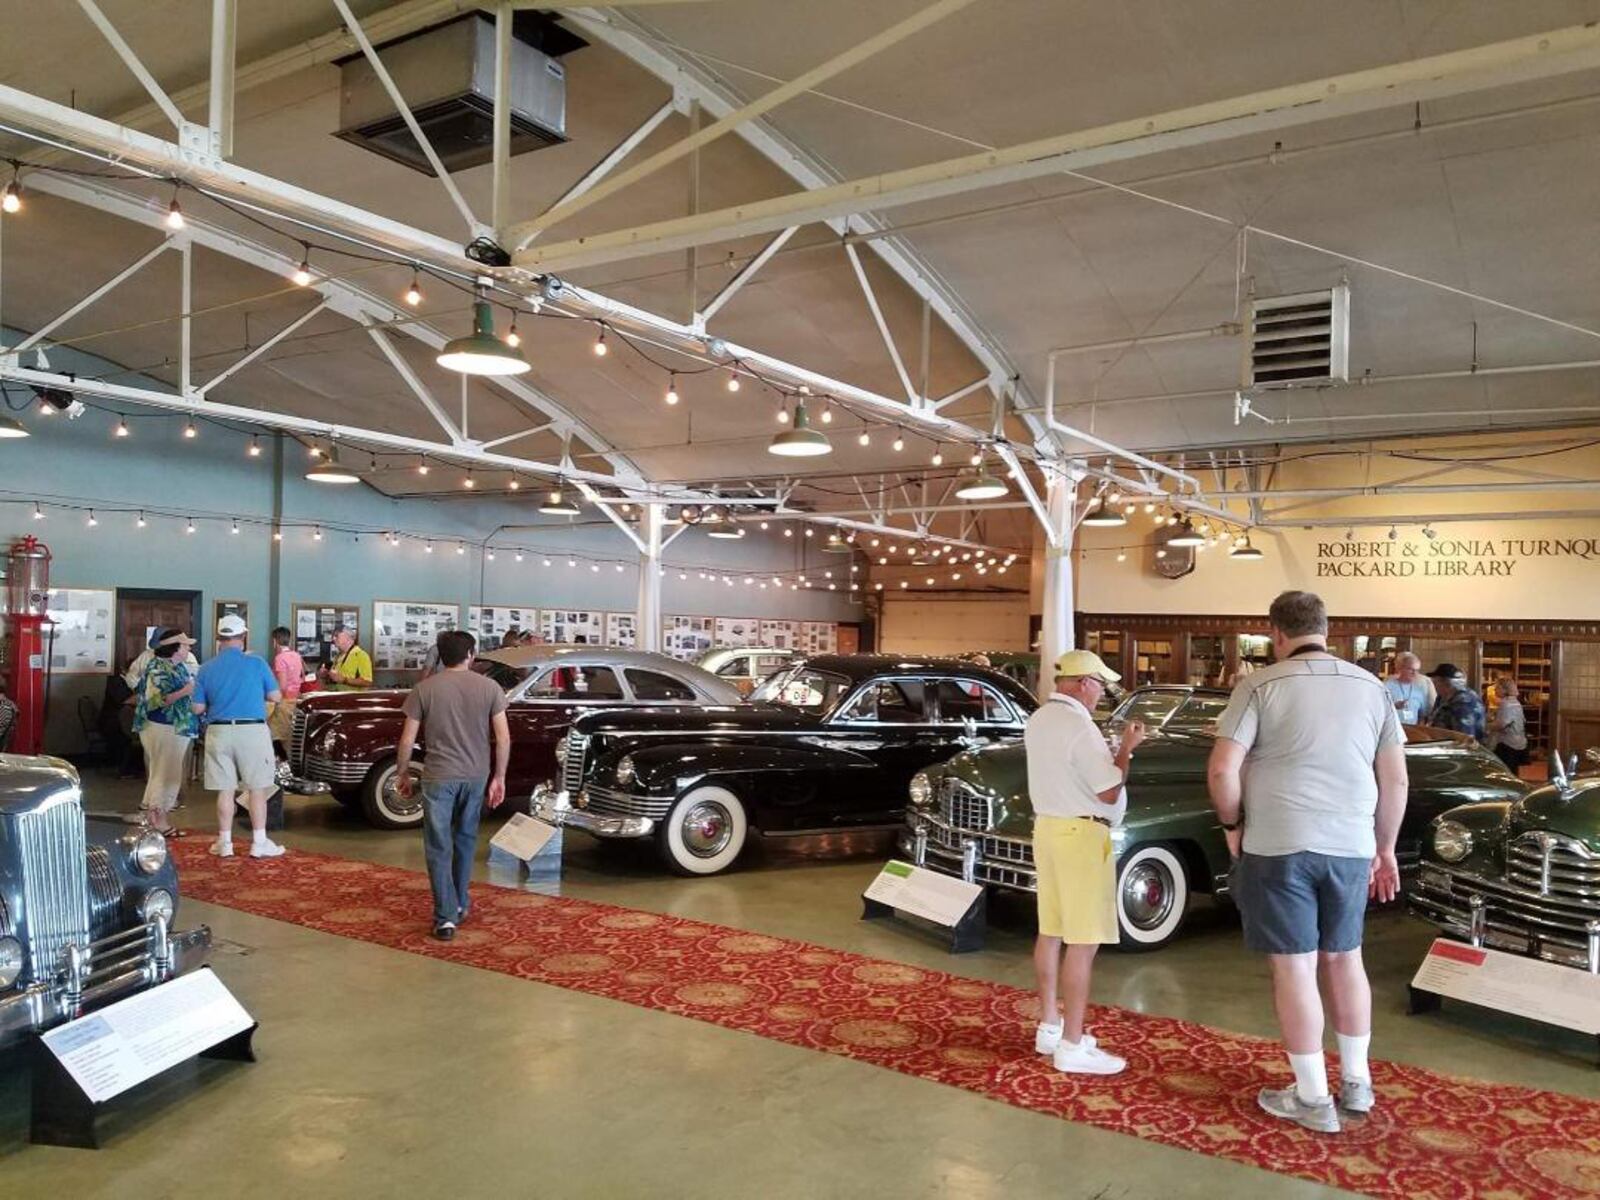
point(1508, 209)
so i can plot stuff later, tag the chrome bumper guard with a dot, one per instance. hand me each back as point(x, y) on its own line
point(928, 842)
point(104, 971)
point(555, 807)
point(290, 782)
point(1503, 916)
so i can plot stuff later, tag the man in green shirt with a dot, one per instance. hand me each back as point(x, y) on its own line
point(351, 670)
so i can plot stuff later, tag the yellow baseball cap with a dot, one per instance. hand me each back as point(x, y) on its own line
point(1084, 662)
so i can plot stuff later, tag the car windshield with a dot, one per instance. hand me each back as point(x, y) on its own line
point(1198, 711)
point(1151, 707)
point(801, 688)
point(508, 677)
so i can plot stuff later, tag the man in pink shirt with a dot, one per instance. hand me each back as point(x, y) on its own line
point(290, 670)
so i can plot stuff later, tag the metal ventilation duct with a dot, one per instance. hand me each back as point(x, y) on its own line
point(446, 75)
point(1300, 339)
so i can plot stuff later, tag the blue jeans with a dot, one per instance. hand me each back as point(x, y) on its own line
point(450, 808)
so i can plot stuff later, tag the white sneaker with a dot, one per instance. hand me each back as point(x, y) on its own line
point(267, 849)
point(222, 849)
point(1087, 1059)
point(1047, 1037)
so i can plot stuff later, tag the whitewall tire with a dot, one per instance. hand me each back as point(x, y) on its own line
point(704, 832)
point(1152, 896)
point(384, 807)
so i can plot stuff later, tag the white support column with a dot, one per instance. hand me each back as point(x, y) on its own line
point(224, 37)
point(501, 215)
point(647, 636)
point(185, 322)
point(1055, 637)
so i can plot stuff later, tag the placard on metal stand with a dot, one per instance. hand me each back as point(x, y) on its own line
point(932, 899)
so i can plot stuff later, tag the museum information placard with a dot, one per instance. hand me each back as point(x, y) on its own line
point(1512, 983)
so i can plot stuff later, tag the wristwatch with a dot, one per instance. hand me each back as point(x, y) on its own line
point(1231, 827)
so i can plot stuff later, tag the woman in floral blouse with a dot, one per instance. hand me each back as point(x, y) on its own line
point(166, 724)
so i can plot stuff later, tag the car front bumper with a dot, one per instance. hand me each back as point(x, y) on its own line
point(986, 858)
point(1505, 916)
point(113, 968)
point(557, 808)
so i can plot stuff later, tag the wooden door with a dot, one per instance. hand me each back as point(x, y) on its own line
point(848, 639)
point(140, 610)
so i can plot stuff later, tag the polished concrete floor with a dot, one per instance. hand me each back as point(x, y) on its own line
point(383, 1073)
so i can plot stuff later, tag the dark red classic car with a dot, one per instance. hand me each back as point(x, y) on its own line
point(347, 741)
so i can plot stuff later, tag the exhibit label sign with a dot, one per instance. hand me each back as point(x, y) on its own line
point(522, 836)
point(133, 1040)
point(1526, 987)
point(922, 893)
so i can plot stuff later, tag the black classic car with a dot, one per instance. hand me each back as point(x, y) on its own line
point(86, 904)
point(828, 744)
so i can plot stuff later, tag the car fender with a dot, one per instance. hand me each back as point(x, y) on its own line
point(676, 767)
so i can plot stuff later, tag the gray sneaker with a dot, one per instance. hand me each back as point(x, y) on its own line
point(1285, 1103)
point(1355, 1095)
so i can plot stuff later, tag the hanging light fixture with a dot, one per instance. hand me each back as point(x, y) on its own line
point(11, 201)
point(10, 427)
point(333, 471)
point(802, 441)
point(1101, 514)
point(513, 338)
point(515, 484)
point(1244, 550)
point(938, 456)
point(414, 292)
point(422, 465)
point(864, 439)
point(672, 388)
point(254, 450)
point(1186, 535)
point(175, 215)
point(141, 522)
point(729, 530)
point(733, 380)
point(558, 504)
point(122, 427)
point(469, 482)
point(899, 442)
point(93, 520)
point(189, 431)
point(980, 485)
point(600, 346)
point(302, 276)
point(481, 352)
point(783, 414)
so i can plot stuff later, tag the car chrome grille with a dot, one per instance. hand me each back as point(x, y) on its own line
point(608, 803)
point(963, 807)
point(572, 768)
point(297, 741)
point(105, 893)
point(55, 905)
point(1554, 866)
point(333, 770)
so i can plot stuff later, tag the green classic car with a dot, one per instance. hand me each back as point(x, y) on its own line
point(970, 817)
point(1520, 875)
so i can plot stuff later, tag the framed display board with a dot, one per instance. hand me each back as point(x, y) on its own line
point(313, 628)
point(622, 629)
point(231, 608)
point(688, 637)
point(82, 643)
point(572, 626)
point(737, 631)
point(780, 635)
point(489, 622)
point(403, 631)
point(818, 637)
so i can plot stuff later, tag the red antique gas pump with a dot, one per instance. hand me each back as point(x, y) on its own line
point(27, 593)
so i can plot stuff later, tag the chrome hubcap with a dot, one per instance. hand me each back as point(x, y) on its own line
point(401, 806)
point(707, 829)
point(1148, 894)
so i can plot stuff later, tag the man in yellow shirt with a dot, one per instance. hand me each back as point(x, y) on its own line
point(352, 667)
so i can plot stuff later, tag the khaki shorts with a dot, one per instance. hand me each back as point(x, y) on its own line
point(239, 757)
point(280, 721)
point(1077, 880)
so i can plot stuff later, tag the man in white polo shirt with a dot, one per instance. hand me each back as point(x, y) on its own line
point(1076, 787)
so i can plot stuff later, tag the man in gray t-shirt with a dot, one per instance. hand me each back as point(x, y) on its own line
point(1308, 777)
point(457, 709)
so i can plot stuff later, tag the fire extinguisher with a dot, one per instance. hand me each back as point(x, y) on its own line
point(27, 599)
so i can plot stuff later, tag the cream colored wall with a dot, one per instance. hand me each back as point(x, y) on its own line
point(930, 624)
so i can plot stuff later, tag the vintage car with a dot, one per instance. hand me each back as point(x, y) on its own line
point(971, 817)
point(829, 744)
point(86, 903)
point(348, 740)
point(1160, 705)
point(745, 666)
point(1520, 875)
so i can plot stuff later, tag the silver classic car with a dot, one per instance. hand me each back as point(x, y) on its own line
point(86, 903)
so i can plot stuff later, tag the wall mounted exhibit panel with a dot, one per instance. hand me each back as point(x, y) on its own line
point(403, 631)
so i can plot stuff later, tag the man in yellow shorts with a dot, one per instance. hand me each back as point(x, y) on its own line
point(1077, 791)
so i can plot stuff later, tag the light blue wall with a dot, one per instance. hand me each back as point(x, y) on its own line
point(69, 466)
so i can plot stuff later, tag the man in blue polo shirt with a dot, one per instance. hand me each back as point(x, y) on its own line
point(231, 692)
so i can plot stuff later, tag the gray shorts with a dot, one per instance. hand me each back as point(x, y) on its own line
point(1299, 903)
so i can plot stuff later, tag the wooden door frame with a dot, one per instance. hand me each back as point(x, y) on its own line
point(192, 595)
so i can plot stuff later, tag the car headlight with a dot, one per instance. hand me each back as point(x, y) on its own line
point(157, 902)
point(1452, 841)
point(150, 851)
point(625, 770)
point(10, 961)
point(921, 789)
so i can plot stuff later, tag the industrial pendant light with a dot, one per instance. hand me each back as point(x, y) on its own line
point(10, 427)
point(729, 530)
point(1244, 551)
point(332, 471)
point(481, 352)
point(559, 504)
point(1185, 535)
point(802, 441)
point(1102, 514)
point(980, 485)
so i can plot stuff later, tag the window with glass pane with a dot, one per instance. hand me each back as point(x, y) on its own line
point(652, 685)
point(966, 699)
point(737, 665)
point(570, 682)
point(889, 702)
point(797, 687)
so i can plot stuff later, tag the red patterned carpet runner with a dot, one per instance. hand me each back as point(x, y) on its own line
point(1188, 1086)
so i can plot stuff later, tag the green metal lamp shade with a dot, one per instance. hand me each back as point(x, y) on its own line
point(481, 352)
point(10, 427)
point(802, 441)
point(981, 486)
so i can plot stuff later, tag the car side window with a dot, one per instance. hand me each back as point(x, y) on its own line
point(653, 685)
point(735, 667)
point(567, 681)
point(966, 699)
point(888, 702)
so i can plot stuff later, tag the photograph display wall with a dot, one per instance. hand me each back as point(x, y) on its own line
point(80, 640)
point(313, 629)
point(489, 622)
point(818, 637)
point(405, 630)
point(738, 631)
point(622, 629)
point(572, 626)
point(780, 635)
point(688, 637)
